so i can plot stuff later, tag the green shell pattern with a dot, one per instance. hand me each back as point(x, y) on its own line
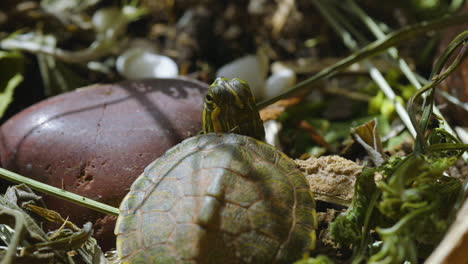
point(217, 198)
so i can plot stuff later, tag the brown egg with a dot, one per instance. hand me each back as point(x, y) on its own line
point(96, 140)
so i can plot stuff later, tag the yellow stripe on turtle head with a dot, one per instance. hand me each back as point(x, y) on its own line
point(216, 120)
point(230, 108)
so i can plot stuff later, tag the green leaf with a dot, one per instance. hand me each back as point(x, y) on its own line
point(420, 117)
point(26, 242)
point(347, 229)
point(417, 200)
point(11, 75)
point(59, 77)
point(6, 97)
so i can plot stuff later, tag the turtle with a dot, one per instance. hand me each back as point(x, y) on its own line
point(223, 196)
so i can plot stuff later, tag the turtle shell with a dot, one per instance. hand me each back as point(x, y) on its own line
point(217, 198)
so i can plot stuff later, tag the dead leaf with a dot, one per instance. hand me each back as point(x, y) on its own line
point(367, 135)
point(272, 112)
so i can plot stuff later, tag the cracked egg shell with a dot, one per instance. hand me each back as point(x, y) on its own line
point(95, 141)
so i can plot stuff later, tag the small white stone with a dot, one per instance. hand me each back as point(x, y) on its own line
point(280, 80)
point(248, 68)
point(272, 129)
point(462, 133)
point(136, 64)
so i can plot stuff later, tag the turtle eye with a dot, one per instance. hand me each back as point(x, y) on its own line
point(209, 98)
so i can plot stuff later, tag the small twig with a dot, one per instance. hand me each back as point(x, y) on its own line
point(438, 78)
point(393, 52)
point(97, 50)
point(333, 18)
point(71, 197)
point(454, 100)
point(370, 50)
point(281, 15)
point(350, 94)
point(105, 43)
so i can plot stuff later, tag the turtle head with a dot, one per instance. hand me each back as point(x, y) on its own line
point(230, 108)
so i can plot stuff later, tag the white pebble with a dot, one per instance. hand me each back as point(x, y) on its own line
point(250, 69)
point(280, 80)
point(462, 133)
point(272, 129)
point(137, 64)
